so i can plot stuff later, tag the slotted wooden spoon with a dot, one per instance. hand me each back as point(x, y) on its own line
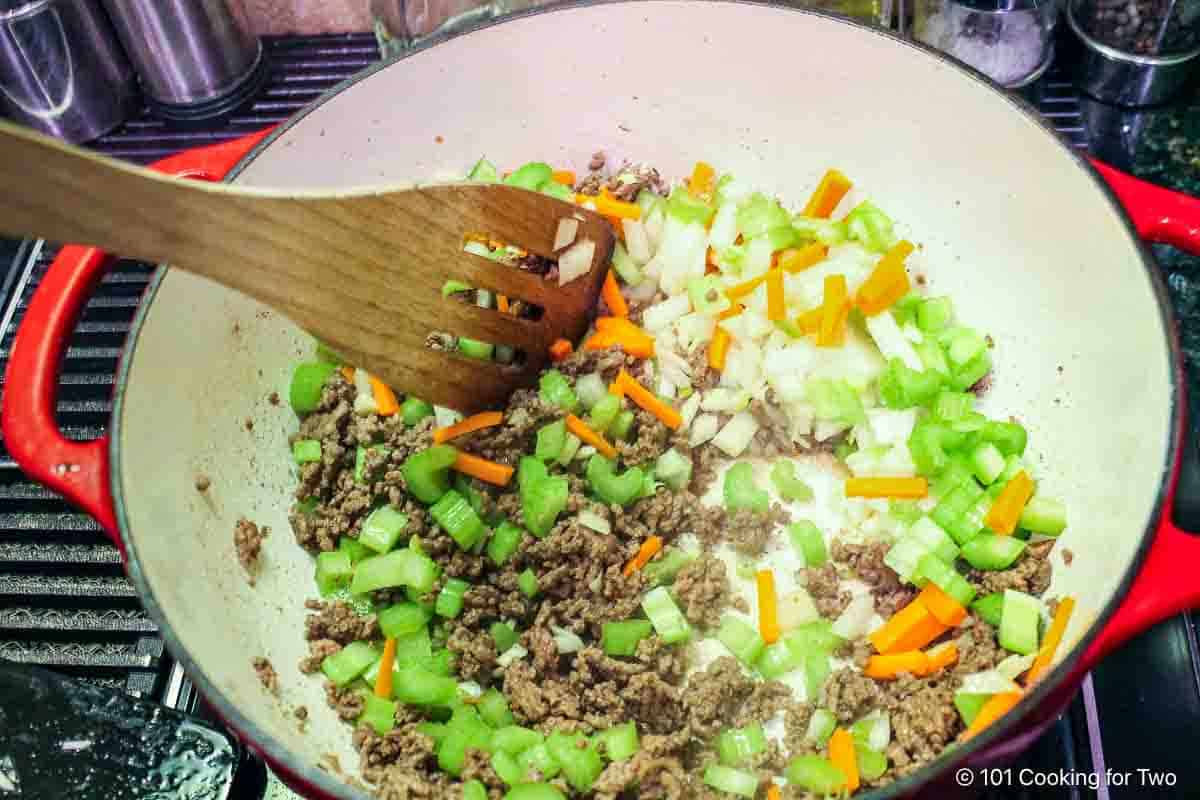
point(363, 272)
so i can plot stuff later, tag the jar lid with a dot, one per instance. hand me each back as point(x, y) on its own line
point(1001, 5)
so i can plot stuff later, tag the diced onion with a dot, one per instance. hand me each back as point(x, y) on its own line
point(445, 417)
point(735, 437)
point(514, 653)
point(568, 229)
point(795, 609)
point(470, 689)
point(575, 261)
point(590, 519)
point(891, 342)
point(659, 316)
point(855, 621)
point(566, 641)
point(990, 682)
point(704, 427)
point(637, 241)
point(1014, 665)
point(590, 389)
point(690, 408)
point(587, 451)
point(891, 427)
point(723, 398)
point(364, 398)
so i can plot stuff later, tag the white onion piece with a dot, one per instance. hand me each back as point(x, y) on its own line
point(637, 241)
point(470, 689)
point(566, 641)
point(575, 261)
point(688, 411)
point(989, 682)
point(568, 229)
point(704, 427)
point(590, 519)
point(796, 609)
point(735, 437)
point(827, 429)
point(891, 342)
point(364, 398)
point(891, 426)
point(514, 653)
point(723, 232)
point(641, 293)
point(1014, 665)
point(673, 367)
point(659, 316)
point(855, 621)
point(655, 224)
point(666, 387)
point(912, 333)
point(694, 329)
point(445, 417)
point(724, 398)
point(587, 451)
point(787, 369)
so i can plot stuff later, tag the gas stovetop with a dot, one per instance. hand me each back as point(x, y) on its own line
point(66, 605)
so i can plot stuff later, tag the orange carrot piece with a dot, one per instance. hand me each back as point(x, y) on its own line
point(797, 260)
point(941, 657)
point(731, 312)
point(385, 398)
point(620, 331)
point(502, 304)
point(944, 608)
point(841, 753)
point(768, 606)
point(773, 793)
point(1054, 635)
point(887, 283)
point(775, 305)
point(922, 633)
point(383, 684)
point(611, 207)
point(827, 195)
point(1003, 515)
point(886, 667)
point(703, 181)
point(564, 176)
point(834, 310)
point(993, 709)
point(810, 321)
point(718, 349)
point(910, 628)
point(646, 399)
point(588, 436)
point(710, 261)
point(899, 488)
point(561, 349)
point(646, 552)
point(745, 288)
point(347, 373)
point(487, 471)
point(613, 297)
point(485, 419)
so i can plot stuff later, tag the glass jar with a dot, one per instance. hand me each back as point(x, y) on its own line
point(1010, 41)
point(1141, 27)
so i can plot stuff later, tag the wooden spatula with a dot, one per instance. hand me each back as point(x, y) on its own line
point(362, 271)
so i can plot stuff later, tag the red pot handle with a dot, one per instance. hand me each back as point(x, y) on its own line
point(79, 471)
point(1166, 584)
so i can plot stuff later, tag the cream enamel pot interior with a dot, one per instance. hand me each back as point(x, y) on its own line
point(1026, 239)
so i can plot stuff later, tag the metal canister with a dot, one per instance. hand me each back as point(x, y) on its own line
point(62, 70)
point(195, 58)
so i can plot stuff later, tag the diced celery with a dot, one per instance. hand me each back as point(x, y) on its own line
point(737, 746)
point(808, 540)
point(550, 440)
point(354, 549)
point(989, 551)
point(870, 227)
point(972, 372)
point(493, 709)
point(990, 607)
point(426, 473)
point(504, 543)
point(619, 743)
point(934, 538)
point(622, 426)
point(817, 668)
point(758, 214)
point(1019, 620)
point(932, 357)
point(610, 487)
point(556, 390)
point(708, 295)
point(308, 382)
point(418, 686)
point(622, 638)
point(934, 314)
point(454, 515)
point(580, 762)
point(969, 705)
point(816, 774)
point(306, 451)
point(953, 405)
point(397, 568)
point(529, 469)
point(450, 598)
point(904, 556)
point(590, 389)
point(908, 511)
point(557, 190)
point(483, 171)
point(1044, 515)
point(382, 528)
point(820, 727)
point(674, 469)
point(871, 763)
point(688, 208)
point(779, 659)
point(603, 414)
point(987, 462)
point(740, 492)
point(527, 583)
point(946, 578)
point(664, 568)
point(835, 400)
point(333, 571)
point(402, 619)
point(542, 501)
point(952, 510)
point(665, 616)
point(733, 781)
point(504, 635)
point(627, 269)
point(473, 348)
point(348, 663)
point(963, 346)
point(790, 488)
point(507, 769)
point(741, 639)
point(379, 713)
point(570, 448)
point(515, 739)
point(530, 175)
point(414, 410)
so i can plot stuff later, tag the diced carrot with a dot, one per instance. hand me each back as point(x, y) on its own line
point(383, 684)
point(828, 194)
point(710, 261)
point(775, 305)
point(944, 608)
point(834, 310)
point(620, 331)
point(910, 628)
point(899, 488)
point(487, 471)
point(773, 793)
point(560, 349)
point(841, 753)
point(610, 206)
point(810, 321)
point(941, 657)
point(887, 283)
point(600, 340)
point(1004, 513)
point(731, 312)
point(613, 297)
point(1054, 635)
point(385, 399)
point(914, 662)
point(646, 552)
point(768, 606)
point(646, 399)
point(744, 288)
point(484, 419)
point(993, 709)
point(564, 176)
point(347, 373)
point(703, 181)
point(588, 436)
point(798, 260)
point(718, 349)
point(502, 304)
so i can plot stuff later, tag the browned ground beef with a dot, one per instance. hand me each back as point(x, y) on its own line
point(702, 591)
point(866, 562)
point(266, 674)
point(823, 586)
point(247, 542)
point(1030, 573)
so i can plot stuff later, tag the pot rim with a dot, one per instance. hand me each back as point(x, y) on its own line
point(284, 760)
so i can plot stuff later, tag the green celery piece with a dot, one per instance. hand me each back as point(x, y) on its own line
point(779, 659)
point(953, 405)
point(791, 488)
point(1044, 515)
point(603, 414)
point(781, 237)
point(504, 543)
point(556, 390)
point(758, 214)
point(434, 730)
point(989, 608)
point(936, 540)
point(493, 709)
point(903, 387)
point(590, 389)
point(820, 727)
point(905, 309)
point(610, 487)
point(454, 287)
point(668, 621)
point(825, 231)
point(668, 564)
point(334, 571)
point(474, 348)
point(454, 514)
point(951, 510)
point(907, 511)
point(382, 528)
point(964, 348)
point(441, 663)
point(687, 208)
point(348, 663)
point(935, 314)
point(504, 635)
point(619, 743)
point(808, 540)
point(397, 568)
point(741, 639)
point(817, 668)
point(450, 598)
point(816, 635)
point(740, 491)
point(835, 400)
point(816, 774)
point(622, 426)
point(972, 372)
point(514, 739)
point(737, 746)
point(418, 686)
point(538, 757)
point(580, 762)
point(946, 578)
point(379, 713)
point(559, 191)
point(870, 227)
point(530, 175)
point(674, 469)
point(527, 583)
point(542, 501)
point(956, 473)
point(402, 619)
point(308, 382)
point(529, 470)
point(969, 705)
point(1009, 437)
point(483, 171)
point(708, 295)
point(360, 604)
point(987, 462)
point(730, 780)
point(360, 460)
point(474, 790)
point(414, 410)
point(354, 549)
point(990, 551)
point(452, 751)
point(1019, 621)
point(932, 357)
point(507, 769)
point(622, 638)
point(627, 269)
point(871, 763)
point(550, 440)
point(427, 472)
point(306, 451)
point(904, 556)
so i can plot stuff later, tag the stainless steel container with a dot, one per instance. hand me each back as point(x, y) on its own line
point(195, 58)
point(62, 70)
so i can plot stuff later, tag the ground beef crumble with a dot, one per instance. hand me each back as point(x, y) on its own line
point(266, 674)
point(865, 561)
point(702, 591)
point(247, 542)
